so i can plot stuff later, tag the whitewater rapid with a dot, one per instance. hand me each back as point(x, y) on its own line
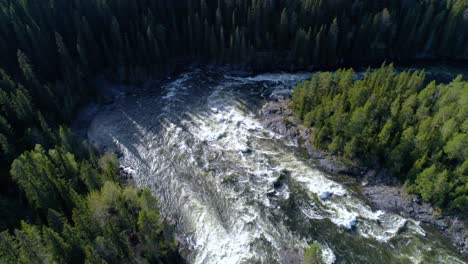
point(240, 193)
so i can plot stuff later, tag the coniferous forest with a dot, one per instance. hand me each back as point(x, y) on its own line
point(392, 120)
point(62, 202)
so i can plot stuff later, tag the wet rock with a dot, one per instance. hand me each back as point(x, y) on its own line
point(326, 195)
point(277, 184)
point(277, 125)
point(125, 175)
point(281, 181)
point(353, 223)
point(395, 200)
point(334, 167)
point(291, 256)
point(246, 151)
point(271, 109)
point(221, 136)
point(441, 224)
point(271, 192)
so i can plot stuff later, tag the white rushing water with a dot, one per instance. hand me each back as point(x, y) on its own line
point(239, 192)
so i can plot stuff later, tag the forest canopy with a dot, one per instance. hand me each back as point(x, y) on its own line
point(81, 213)
point(390, 120)
point(51, 51)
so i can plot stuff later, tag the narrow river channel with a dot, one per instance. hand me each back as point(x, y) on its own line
point(240, 193)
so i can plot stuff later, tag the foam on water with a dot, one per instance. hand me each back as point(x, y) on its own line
point(327, 254)
point(225, 179)
point(341, 207)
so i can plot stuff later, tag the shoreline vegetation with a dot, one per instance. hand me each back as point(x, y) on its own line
point(381, 185)
point(391, 121)
point(81, 212)
point(51, 50)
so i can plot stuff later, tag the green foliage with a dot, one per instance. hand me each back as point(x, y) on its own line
point(312, 254)
point(8, 248)
point(81, 212)
point(74, 42)
point(49, 179)
point(108, 163)
point(141, 231)
point(87, 217)
point(51, 49)
point(392, 120)
point(29, 244)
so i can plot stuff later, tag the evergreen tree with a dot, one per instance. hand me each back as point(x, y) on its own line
point(389, 120)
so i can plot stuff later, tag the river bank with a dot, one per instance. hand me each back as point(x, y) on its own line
point(234, 190)
point(382, 190)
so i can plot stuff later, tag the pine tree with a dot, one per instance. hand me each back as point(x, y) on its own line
point(57, 247)
point(8, 248)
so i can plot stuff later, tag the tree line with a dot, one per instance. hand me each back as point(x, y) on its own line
point(51, 50)
point(81, 213)
point(392, 121)
point(63, 38)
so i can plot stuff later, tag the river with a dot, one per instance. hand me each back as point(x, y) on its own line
point(240, 193)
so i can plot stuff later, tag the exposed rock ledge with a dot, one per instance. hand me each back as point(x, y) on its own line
point(382, 190)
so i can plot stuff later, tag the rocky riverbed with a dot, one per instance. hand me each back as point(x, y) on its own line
point(382, 190)
point(239, 192)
